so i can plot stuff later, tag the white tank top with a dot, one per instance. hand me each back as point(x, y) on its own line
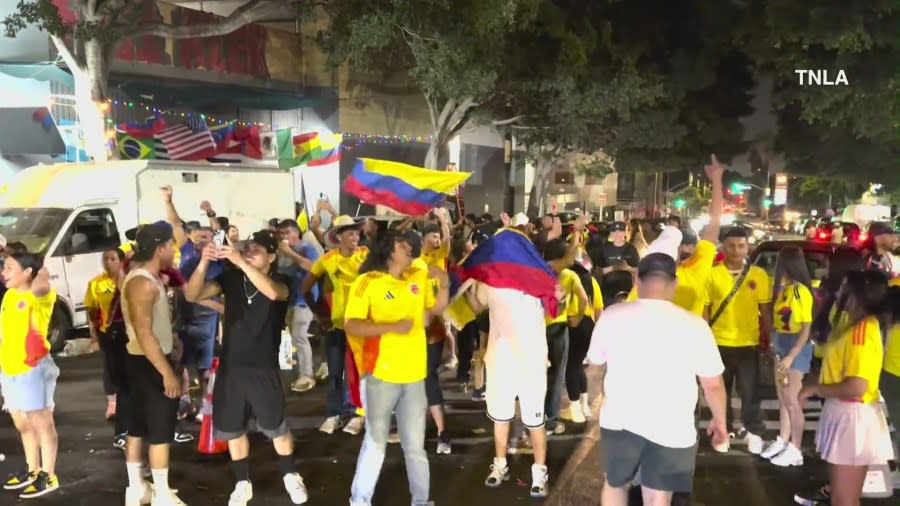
point(162, 318)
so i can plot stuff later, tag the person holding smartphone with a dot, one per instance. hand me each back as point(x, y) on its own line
point(617, 263)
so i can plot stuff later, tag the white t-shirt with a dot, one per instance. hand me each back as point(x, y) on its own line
point(518, 334)
point(654, 351)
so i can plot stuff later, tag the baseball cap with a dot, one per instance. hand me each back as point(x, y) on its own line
point(877, 228)
point(688, 236)
point(520, 220)
point(617, 226)
point(266, 239)
point(148, 238)
point(657, 264)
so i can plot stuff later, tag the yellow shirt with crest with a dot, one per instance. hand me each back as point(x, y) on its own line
point(342, 272)
point(99, 297)
point(792, 307)
point(738, 324)
point(569, 307)
point(24, 317)
point(382, 298)
point(693, 279)
point(857, 353)
point(437, 257)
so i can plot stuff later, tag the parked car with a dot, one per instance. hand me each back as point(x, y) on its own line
point(818, 256)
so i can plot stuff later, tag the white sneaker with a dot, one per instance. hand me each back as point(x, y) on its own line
point(322, 372)
point(171, 499)
point(774, 448)
point(791, 456)
point(243, 492)
point(303, 384)
point(139, 496)
point(754, 443)
point(295, 487)
point(355, 425)
point(539, 479)
point(497, 476)
point(331, 424)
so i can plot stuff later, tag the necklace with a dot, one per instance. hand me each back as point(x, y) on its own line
point(244, 287)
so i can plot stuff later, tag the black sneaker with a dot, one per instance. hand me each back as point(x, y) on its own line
point(44, 484)
point(478, 394)
point(119, 441)
point(817, 497)
point(20, 480)
point(183, 437)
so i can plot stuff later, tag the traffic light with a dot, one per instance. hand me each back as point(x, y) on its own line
point(737, 187)
point(679, 203)
point(767, 202)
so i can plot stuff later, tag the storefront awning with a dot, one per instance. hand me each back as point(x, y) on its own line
point(38, 72)
point(204, 96)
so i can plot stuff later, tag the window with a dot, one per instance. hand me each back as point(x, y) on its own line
point(816, 261)
point(91, 232)
point(563, 177)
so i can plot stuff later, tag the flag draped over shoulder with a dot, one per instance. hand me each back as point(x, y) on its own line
point(404, 188)
point(294, 150)
point(510, 260)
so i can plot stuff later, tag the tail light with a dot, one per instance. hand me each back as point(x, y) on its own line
point(823, 235)
point(863, 236)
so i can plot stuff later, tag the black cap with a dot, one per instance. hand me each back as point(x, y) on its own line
point(736, 232)
point(617, 226)
point(688, 236)
point(877, 228)
point(148, 237)
point(266, 239)
point(192, 226)
point(657, 263)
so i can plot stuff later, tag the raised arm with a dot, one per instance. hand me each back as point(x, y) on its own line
point(172, 217)
point(40, 286)
point(270, 288)
point(197, 288)
point(714, 171)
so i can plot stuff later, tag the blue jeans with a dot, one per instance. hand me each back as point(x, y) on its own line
point(335, 350)
point(408, 402)
point(557, 353)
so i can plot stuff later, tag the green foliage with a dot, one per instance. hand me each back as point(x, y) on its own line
point(693, 198)
point(449, 48)
point(111, 22)
point(850, 130)
point(816, 192)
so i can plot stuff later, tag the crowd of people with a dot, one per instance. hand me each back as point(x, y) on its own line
point(659, 318)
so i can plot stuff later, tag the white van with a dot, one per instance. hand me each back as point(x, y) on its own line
point(72, 213)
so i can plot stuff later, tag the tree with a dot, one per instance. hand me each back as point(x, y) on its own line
point(818, 192)
point(87, 44)
point(827, 130)
point(452, 50)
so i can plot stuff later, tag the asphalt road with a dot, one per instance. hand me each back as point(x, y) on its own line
point(92, 472)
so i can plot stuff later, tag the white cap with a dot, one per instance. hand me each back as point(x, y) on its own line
point(2, 241)
point(520, 220)
point(668, 242)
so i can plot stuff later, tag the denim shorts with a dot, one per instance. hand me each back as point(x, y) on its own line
point(782, 345)
point(32, 390)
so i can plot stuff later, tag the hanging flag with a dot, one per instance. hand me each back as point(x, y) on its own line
point(458, 311)
point(236, 144)
point(404, 188)
point(510, 260)
point(143, 129)
point(135, 148)
point(294, 150)
point(329, 150)
point(191, 141)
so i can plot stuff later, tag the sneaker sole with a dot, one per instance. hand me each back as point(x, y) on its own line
point(18, 487)
point(794, 463)
point(39, 494)
point(301, 390)
point(498, 484)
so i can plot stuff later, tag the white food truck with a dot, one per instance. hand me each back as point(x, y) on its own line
point(72, 213)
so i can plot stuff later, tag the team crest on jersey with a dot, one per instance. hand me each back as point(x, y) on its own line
point(414, 289)
point(752, 284)
point(21, 305)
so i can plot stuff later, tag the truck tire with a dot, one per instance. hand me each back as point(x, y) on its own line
point(60, 327)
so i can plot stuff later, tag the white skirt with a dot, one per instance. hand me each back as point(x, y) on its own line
point(853, 434)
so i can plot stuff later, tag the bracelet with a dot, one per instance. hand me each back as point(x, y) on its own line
point(210, 214)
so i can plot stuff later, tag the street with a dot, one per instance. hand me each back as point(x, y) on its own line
point(92, 471)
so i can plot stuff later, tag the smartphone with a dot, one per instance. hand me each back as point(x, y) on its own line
point(219, 239)
point(324, 197)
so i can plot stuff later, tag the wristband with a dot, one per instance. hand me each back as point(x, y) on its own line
point(210, 214)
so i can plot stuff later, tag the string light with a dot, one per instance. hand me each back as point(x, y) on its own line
point(353, 140)
point(151, 108)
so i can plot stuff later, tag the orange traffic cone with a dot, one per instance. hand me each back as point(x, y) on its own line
point(208, 444)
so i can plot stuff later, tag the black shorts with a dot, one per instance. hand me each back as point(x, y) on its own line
point(239, 394)
point(150, 414)
point(662, 468)
point(484, 322)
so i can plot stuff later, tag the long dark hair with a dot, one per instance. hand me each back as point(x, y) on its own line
point(844, 261)
point(866, 290)
point(29, 261)
point(383, 247)
point(791, 263)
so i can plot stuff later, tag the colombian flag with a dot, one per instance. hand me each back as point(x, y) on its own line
point(510, 260)
point(329, 150)
point(294, 150)
point(404, 188)
point(458, 312)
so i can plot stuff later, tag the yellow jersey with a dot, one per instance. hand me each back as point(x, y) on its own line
point(99, 297)
point(792, 307)
point(437, 257)
point(342, 272)
point(892, 352)
point(569, 303)
point(382, 298)
point(693, 279)
point(738, 324)
point(596, 306)
point(856, 353)
point(25, 323)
